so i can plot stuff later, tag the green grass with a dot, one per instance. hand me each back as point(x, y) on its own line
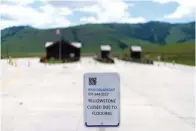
point(182, 53)
point(174, 48)
point(23, 54)
point(54, 61)
point(183, 59)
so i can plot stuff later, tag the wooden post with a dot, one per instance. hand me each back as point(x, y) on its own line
point(15, 63)
point(173, 62)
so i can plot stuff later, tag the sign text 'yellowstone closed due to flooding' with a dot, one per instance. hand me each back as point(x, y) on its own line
point(102, 99)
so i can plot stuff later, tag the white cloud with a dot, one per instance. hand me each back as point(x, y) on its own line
point(90, 19)
point(54, 14)
point(71, 3)
point(21, 14)
point(8, 23)
point(18, 2)
point(89, 9)
point(180, 12)
point(186, 8)
point(134, 20)
point(163, 1)
point(107, 11)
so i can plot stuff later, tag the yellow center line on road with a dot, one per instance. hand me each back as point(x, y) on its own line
point(5, 82)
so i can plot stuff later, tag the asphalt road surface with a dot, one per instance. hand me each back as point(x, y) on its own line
point(50, 97)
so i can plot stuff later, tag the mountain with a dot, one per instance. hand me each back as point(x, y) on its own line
point(26, 39)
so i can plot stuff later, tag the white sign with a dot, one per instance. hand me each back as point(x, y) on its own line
point(102, 99)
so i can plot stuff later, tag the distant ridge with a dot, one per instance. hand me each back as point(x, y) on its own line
point(30, 39)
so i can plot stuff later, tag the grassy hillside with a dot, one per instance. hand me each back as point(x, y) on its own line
point(182, 53)
point(152, 36)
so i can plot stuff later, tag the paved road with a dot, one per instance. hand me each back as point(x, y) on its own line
point(49, 98)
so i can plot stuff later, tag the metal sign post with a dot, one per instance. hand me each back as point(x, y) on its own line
point(101, 129)
point(59, 33)
point(60, 50)
point(101, 100)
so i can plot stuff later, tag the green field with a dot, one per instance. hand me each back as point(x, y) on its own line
point(182, 53)
point(156, 38)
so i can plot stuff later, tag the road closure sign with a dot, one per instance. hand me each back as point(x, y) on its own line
point(102, 99)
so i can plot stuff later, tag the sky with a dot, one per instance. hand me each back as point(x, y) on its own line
point(45, 14)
